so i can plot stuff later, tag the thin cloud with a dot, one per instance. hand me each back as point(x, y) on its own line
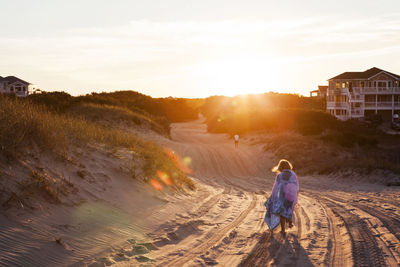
point(146, 53)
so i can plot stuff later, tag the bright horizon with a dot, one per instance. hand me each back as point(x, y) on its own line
point(195, 48)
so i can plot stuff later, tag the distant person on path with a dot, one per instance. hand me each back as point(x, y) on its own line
point(236, 140)
point(283, 199)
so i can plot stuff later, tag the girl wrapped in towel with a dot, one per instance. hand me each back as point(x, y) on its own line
point(283, 199)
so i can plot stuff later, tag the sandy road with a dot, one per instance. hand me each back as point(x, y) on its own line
point(332, 227)
point(123, 222)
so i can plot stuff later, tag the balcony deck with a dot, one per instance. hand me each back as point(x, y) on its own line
point(377, 90)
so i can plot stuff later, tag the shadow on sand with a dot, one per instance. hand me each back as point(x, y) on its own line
point(276, 250)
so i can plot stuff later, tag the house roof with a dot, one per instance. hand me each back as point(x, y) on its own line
point(13, 79)
point(322, 87)
point(362, 75)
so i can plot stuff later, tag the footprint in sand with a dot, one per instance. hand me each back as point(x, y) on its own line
point(139, 250)
point(142, 258)
point(143, 248)
point(132, 241)
point(120, 257)
point(101, 262)
point(209, 261)
point(149, 246)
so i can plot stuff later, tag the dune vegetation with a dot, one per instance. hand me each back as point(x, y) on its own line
point(25, 124)
point(313, 155)
point(291, 126)
point(118, 116)
point(130, 106)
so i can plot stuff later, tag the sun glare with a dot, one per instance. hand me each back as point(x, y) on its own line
point(241, 75)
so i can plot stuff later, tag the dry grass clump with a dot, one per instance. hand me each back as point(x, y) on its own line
point(23, 124)
point(111, 115)
point(40, 184)
point(156, 160)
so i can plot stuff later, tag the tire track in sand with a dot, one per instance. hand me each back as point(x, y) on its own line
point(214, 239)
point(365, 249)
point(270, 248)
point(384, 227)
point(338, 251)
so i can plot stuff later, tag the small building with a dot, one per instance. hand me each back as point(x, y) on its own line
point(362, 94)
point(14, 85)
point(321, 92)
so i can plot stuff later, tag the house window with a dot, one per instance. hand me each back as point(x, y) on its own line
point(362, 84)
point(343, 85)
point(12, 88)
point(337, 85)
point(24, 88)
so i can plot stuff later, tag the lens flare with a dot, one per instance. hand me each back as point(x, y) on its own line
point(164, 177)
point(221, 117)
point(187, 161)
point(156, 185)
point(179, 162)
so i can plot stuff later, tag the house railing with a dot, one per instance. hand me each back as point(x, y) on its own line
point(385, 104)
point(379, 104)
point(370, 104)
point(356, 98)
point(338, 91)
point(377, 89)
point(336, 104)
point(21, 93)
point(357, 112)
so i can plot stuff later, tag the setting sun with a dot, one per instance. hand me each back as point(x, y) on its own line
point(239, 75)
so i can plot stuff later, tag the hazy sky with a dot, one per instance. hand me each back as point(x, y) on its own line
point(194, 48)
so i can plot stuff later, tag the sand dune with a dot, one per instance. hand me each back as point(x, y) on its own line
point(221, 223)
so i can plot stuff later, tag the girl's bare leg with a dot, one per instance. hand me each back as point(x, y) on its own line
point(283, 220)
point(290, 223)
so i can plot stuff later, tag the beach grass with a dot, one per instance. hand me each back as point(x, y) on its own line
point(24, 125)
